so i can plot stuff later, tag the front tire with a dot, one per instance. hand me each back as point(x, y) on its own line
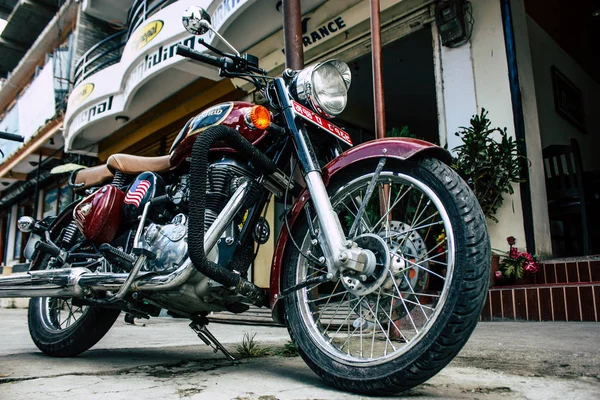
point(402, 324)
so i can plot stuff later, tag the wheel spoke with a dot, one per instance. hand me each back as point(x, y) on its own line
point(335, 312)
point(367, 197)
point(406, 232)
point(404, 304)
point(347, 316)
point(426, 269)
point(341, 319)
point(396, 201)
point(378, 323)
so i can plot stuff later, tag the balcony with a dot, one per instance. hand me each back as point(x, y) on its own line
point(25, 22)
point(108, 51)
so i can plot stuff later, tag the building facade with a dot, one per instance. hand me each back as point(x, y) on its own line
point(131, 93)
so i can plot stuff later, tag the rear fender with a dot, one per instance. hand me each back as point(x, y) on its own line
point(396, 148)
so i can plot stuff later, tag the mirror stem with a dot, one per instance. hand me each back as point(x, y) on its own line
point(207, 25)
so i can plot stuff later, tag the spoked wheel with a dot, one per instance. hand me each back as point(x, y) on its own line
point(399, 322)
point(60, 314)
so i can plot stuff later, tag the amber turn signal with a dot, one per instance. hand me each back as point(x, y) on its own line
point(260, 117)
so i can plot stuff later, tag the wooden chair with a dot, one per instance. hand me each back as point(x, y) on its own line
point(566, 192)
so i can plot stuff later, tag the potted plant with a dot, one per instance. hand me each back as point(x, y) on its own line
point(490, 166)
point(514, 266)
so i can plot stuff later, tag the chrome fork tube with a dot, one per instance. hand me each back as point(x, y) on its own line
point(332, 238)
point(331, 235)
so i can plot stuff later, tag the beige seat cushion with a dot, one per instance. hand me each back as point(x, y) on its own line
point(93, 176)
point(131, 165)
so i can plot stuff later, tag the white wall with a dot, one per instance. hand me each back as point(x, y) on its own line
point(460, 102)
point(492, 92)
point(537, 183)
point(545, 53)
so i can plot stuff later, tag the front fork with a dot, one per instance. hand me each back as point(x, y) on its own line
point(339, 252)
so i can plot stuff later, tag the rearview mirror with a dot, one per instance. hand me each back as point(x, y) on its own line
point(196, 20)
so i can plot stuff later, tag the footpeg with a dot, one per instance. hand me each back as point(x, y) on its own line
point(117, 257)
point(208, 338)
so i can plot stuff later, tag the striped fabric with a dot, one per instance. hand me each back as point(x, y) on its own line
point(136, 192)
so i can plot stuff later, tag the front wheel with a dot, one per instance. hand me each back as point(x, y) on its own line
point(400, 323)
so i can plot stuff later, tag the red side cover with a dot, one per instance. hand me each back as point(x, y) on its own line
point(99, 215)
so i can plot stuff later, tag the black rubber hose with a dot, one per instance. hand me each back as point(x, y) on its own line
point(199, 175)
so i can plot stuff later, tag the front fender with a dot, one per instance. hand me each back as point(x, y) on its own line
point(397, 148)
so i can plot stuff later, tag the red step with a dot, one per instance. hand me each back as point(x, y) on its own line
point(565, 271)
point(544, 302)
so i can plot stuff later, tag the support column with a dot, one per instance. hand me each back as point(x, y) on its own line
point(377, 70)
point(292, 34)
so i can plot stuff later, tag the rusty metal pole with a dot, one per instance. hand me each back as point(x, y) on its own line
point(378, 98)
point(292, 34)
point(377, 70)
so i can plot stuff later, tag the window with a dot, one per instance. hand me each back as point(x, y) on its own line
point(57, 199)
point(50, 203)
point(65, 198)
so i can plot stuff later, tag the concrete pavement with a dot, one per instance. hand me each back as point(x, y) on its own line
point(165, 360)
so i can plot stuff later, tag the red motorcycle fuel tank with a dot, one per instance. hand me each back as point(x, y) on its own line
point(233, 114)
point(98, 216)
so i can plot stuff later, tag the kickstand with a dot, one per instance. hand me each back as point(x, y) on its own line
point(208, 338)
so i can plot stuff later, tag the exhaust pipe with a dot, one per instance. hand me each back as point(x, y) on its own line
point(78, 282)
point(46, 283)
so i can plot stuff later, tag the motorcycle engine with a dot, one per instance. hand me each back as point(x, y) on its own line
point(169, 241)
point(224, 177)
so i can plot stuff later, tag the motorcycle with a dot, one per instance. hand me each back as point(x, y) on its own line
point(380, 270)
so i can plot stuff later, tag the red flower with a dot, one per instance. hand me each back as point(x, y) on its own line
point(511, 240)
point(514, 253)
point(531, 267)
point(498, 274)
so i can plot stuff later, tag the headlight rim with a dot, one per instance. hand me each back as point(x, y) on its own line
point(302, 87)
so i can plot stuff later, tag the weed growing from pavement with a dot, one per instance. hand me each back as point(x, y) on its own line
point(290, 349)
point(249, 348)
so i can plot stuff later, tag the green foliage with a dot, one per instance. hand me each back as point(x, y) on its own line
point(249, 348)
point(489, 166)
point(290, 349)
point(400, 132)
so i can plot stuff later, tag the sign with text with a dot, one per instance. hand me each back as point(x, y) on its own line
point(315, 118)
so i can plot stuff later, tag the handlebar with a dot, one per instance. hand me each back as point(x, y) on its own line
point(12, 137)
point(184, 51)
point(230, 63)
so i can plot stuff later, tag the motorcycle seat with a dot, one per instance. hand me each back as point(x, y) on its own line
point(93, 176)
point(131, 165)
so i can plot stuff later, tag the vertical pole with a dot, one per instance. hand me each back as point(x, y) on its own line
point(292, 34)
point(37, 186)
point(377, 70)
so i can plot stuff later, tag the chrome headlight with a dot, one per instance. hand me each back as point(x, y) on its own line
point(324, 87)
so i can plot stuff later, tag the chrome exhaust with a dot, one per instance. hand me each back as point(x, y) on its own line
point(78, 282)
point(51, 283)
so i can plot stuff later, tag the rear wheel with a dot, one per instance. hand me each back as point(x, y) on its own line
point(60, 328)
point(402, 322)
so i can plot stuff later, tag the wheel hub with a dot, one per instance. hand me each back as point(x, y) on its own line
point(376, 268)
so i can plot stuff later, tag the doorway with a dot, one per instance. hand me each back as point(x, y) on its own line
point(409, 89)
